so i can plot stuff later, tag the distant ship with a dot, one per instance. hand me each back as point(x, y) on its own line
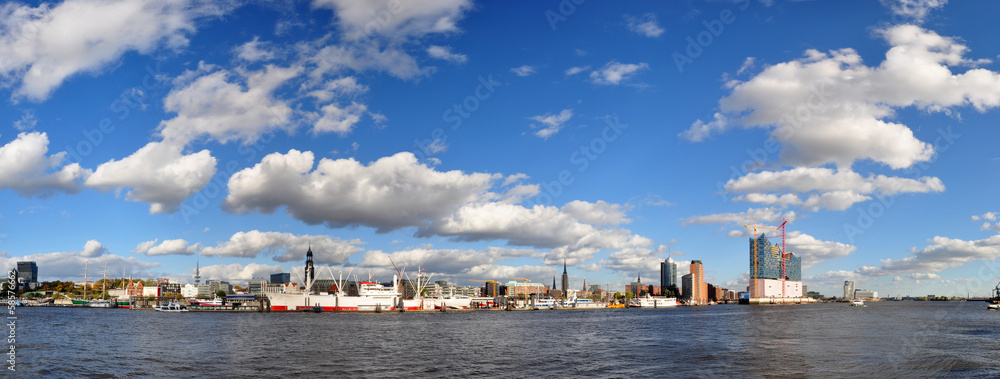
point(371, 297)
point(653, 302)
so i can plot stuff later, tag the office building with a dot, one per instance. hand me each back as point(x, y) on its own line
point(27, 274)
point(848, 289)
point(668, 274)
point(699, 289)
point(281, 278)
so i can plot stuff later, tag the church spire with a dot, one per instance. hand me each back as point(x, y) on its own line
point(564, 267)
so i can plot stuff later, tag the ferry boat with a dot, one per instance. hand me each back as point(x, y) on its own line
point(102, 304)
point(170, 307)
point(548, 303)
point(453, 302)
point(216, 302)
point(587, 303)
point(857, 303)
point(653, 302)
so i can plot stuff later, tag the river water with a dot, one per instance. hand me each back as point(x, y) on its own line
point(884, 339)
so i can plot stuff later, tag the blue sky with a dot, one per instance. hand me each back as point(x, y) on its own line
point(481, 140)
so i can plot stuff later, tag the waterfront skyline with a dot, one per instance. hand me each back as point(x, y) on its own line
point(488, 141)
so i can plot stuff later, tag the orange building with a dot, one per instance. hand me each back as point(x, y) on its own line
point(699, 289)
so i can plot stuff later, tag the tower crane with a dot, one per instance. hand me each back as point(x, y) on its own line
point(782, 254)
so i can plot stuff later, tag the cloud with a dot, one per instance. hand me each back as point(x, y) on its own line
point(576, 70)
point(552, 123)
point(614, 73)
point(645, 25)
point(924, 275)
point(826, 188)
point(25, 168)
point(71, 265)
point(831, 108)
point(771, 214)
point(814, 251)
point(599, 213)
point(941, 254)
point(369, 56)
point(238, 273)
point(342, 86)
point(444, 53)
point(286, 247)
point(340, 120)
point(158, 173)
point(217, 106)
point(93, 249)
point(45, 45)
point(538, 226)
point(388, 194)
point(524, 70)
point(255, 51)
point(27, 121)
point(913, 9)
point(395, 20)
point(442, 261)
point(167, 247)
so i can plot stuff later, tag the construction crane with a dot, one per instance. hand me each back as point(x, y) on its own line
point(496, 285)
point(774, 250)
point(526, 281)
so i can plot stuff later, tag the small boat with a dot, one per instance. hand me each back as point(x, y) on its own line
point(993, 306)
point(170, 307)
point(857, 303)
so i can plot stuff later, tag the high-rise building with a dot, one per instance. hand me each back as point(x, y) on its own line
point(848, 289)
point(565, 280)
point(281, 278)
point(699, 289)
point(668, 273)
point(766, 279)
point(27, 274)
point(768, 262)
point(686, 284)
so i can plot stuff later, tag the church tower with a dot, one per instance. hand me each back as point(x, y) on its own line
point(565, 280)
point(310, 270)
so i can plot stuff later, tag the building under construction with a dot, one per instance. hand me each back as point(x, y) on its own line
point(775, 274)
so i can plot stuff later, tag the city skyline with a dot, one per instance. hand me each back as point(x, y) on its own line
point(487, 141)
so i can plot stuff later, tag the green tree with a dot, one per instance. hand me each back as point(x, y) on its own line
point(220, 293)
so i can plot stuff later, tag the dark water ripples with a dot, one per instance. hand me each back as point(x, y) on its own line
point(890, 339)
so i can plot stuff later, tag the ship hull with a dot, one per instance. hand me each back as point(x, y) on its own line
point(283, 302)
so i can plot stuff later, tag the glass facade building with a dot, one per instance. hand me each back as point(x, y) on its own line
point(768, 259)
